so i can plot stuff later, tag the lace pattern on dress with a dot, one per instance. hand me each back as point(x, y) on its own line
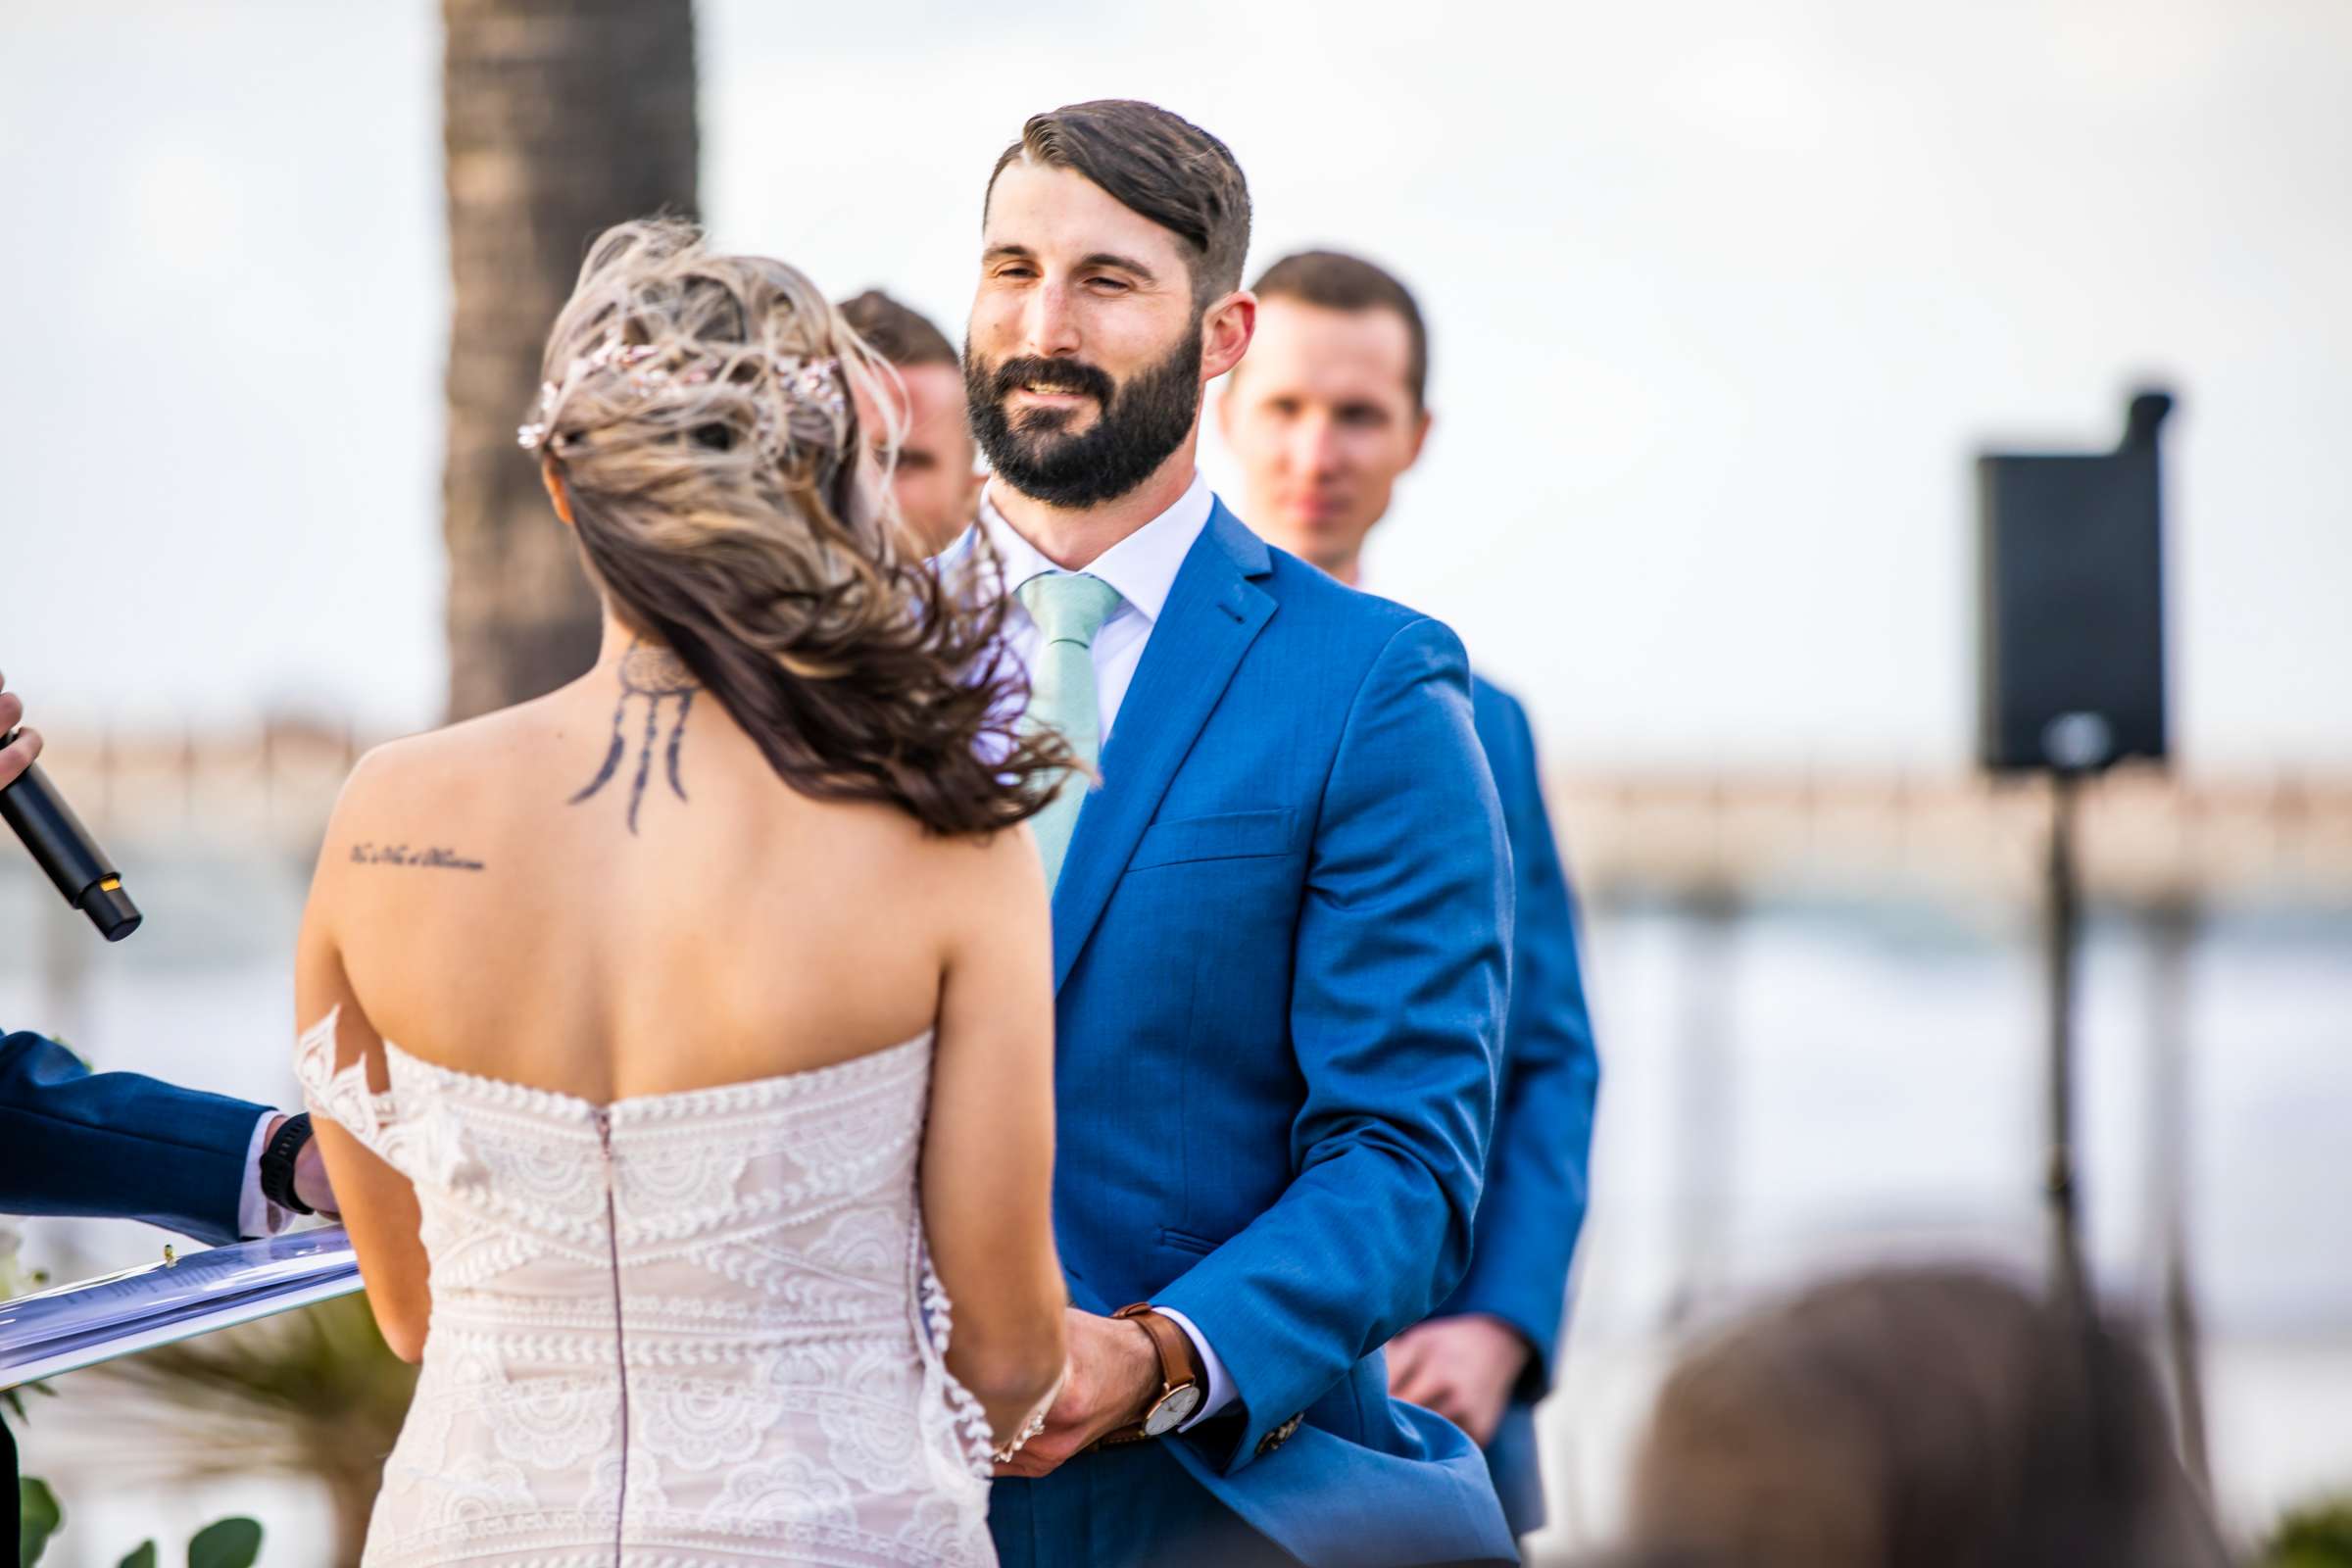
point(760, 1244)
point(960, 1414)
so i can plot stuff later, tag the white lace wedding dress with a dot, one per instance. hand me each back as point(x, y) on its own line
point(685, 1330)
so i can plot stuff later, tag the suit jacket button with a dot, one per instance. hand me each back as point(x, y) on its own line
point(1279, 1436)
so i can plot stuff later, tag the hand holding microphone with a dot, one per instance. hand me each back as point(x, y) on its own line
point(23, 745)
point(55, 836)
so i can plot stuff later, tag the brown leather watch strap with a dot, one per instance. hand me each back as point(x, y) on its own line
point(1179, 1364)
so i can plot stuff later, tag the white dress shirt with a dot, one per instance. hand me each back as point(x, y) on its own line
point(255, 1214)
point(1143, 568)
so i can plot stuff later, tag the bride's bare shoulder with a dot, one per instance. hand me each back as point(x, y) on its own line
point(438, 760)
point(423, 794)
point(989, 872)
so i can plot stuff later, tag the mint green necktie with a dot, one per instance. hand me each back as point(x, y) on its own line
point(1068, 607)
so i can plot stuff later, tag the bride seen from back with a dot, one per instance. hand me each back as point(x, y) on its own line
point(681, 1042)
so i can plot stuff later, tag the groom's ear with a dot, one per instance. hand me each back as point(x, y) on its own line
point(1226, 329)
point(557, 491)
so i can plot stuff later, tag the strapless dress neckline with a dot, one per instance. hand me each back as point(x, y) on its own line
point(798, 1081)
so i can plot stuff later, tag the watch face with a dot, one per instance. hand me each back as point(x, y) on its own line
point(1173, 1411)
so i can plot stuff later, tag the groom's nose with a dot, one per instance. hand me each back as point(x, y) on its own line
point(1050, 324)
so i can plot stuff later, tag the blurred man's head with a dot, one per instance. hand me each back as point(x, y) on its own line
point(1915, 1418)
point(935, 481)
point(1329, 408)
point(1110, 293)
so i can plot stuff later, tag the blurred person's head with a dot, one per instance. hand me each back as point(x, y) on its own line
point(1913, 1418)
point(698, 428)
point(1109, 295)
point(933, 476)
point(1329, 408)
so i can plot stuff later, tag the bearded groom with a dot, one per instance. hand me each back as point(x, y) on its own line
point(1281, 919)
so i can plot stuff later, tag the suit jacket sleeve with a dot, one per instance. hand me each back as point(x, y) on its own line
point(1398, 990)
point(1536, 1172)
point(116, 1144)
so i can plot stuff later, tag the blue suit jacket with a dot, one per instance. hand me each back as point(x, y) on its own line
point(112, 1145)
point(116, 1144)
point(1536, 1166)
point(1281, 941)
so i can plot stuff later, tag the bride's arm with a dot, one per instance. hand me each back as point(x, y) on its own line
point(379, 1205)
point(988, 1149)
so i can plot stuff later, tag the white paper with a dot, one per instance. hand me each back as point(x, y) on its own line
point(95, 1320)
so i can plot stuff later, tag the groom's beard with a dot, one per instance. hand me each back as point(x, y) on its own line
point(1136, 427)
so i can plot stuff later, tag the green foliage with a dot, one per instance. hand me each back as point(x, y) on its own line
point(12, 1400)
point(224, 1543)
point(41, 1517)
point(2316, 1537)
point(313, 1393)
point(229, 1543)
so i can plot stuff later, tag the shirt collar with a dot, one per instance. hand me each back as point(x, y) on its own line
point(1141, 567)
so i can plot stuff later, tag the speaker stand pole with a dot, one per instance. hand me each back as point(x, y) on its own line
point(2172, 927)
point(2061, 939)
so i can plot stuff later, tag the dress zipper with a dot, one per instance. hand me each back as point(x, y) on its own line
point(620, 1343)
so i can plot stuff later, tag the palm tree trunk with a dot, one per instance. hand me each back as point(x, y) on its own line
point(561, 118)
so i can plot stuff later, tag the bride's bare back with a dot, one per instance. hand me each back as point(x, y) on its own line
point(610, 893)
point(650, 883)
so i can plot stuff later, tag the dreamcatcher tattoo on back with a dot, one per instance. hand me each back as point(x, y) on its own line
point(654, 674)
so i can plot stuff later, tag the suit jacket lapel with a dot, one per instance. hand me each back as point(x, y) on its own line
point(1213, 613)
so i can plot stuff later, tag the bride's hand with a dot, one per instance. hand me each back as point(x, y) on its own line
point(1113, 1370)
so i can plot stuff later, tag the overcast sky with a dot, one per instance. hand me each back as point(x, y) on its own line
point(1724, 296)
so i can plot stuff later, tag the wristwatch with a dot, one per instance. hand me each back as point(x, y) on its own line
point(1182, 1385)
point(278, 1164)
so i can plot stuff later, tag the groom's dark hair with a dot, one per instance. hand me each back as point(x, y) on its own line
point(1157, 165)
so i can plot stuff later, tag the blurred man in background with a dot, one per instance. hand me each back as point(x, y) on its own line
point(1917, 1417)
point(1325, 413)
point(936, 482)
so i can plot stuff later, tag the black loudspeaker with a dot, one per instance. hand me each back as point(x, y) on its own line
point(2071, 599)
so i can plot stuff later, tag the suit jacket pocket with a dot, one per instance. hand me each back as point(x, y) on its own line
point(1186, 1241)
point(1226, 836)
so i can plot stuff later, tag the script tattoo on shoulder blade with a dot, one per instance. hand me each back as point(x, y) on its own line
point(656, 675)
point(437, 858)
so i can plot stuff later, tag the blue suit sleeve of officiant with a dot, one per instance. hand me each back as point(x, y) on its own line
point(1536, 1185)
point(117, 1145)
point(1397, 1011)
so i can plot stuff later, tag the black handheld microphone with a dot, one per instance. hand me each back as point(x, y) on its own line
point(66, 851)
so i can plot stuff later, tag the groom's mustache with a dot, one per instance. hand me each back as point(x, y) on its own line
point(1033, 373)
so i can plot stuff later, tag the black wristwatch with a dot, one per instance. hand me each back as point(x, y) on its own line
point(278, 1164)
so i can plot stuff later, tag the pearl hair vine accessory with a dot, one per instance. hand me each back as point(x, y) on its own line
point(809, 384)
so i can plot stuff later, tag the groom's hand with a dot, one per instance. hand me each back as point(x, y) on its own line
point(1115, 1370)
point(1461, 1367)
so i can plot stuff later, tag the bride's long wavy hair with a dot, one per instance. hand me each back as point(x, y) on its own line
point(699, 411)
